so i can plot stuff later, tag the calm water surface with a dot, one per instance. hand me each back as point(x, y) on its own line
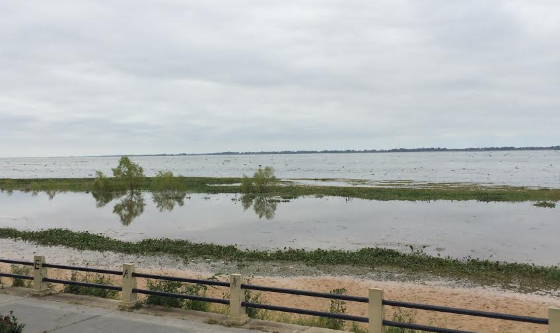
point(519, 168)
point(499, 231)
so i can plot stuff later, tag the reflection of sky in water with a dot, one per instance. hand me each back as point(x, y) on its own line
point(524, 168)
point(499, 231)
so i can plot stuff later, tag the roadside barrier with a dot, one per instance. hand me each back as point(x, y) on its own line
point(237, 304)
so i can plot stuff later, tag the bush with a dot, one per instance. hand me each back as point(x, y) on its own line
point(247, 185)
point(261, 181)
point(178, 288)
point(21, 270)
point(166, 181)
point(337, 306)
point(403, 316)
point(101, 182)
point(90, 278)
point(9, 324)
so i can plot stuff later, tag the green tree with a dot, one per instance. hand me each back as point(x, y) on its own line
point(261, 181)
point(128, 171)
point(264, 178)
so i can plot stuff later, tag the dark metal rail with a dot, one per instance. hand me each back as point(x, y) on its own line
point(180, 279)
point(306, 293)
point(16, 276)
point(17, 262)
point(83, 284)
point(189, 297)
point(83, 269)
point(422, 327)
point(475, 313)
point(305, 312)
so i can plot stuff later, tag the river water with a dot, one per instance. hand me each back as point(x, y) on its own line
point(516, 168)
point(514, 232)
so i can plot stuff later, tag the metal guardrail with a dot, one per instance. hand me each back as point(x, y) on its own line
point(17, 262)
point(306, 293)
point(180, 279)
point(181, 296)
point(83, 269)
point(475, 313)
point(305, 312)
point(16, 276)
point(237, 301)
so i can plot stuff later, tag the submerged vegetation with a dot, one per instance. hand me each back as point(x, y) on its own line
point(485, 271)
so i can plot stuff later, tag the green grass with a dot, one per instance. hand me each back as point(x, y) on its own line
point(525, 276)
point(289, 190)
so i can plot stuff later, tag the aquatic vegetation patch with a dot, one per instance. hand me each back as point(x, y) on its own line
point(545, 204)
point(525, 276)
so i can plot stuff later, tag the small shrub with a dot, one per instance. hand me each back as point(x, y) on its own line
point(178, 288)
point(196, 290)
point(21, 270)
point(254, 297)
point(9, 324)
point(356, 328)
point(90, 278)
point(403, 316)
point(338, 307)
point(168, 287)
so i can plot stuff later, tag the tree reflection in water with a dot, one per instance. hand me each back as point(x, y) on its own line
point(130, 206)
point(264, 206)
point(167, 199)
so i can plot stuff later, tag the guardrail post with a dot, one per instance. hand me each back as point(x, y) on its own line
point(40, 288)
point(237, 313)
point(376, 311)
point(129, 299)
point(553, 320)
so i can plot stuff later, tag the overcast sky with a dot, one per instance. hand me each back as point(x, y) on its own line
point(133, 77)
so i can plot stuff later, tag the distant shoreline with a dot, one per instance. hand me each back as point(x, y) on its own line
point(348, 151)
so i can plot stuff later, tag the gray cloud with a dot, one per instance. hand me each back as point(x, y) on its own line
point(104, 77)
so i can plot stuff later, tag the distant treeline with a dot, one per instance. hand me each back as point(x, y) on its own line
point(353, 151)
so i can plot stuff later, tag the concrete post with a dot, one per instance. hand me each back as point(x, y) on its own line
point(40, 288)
point(237, 315)
point(376, 311)
point(129, 299)
point(553, 320)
